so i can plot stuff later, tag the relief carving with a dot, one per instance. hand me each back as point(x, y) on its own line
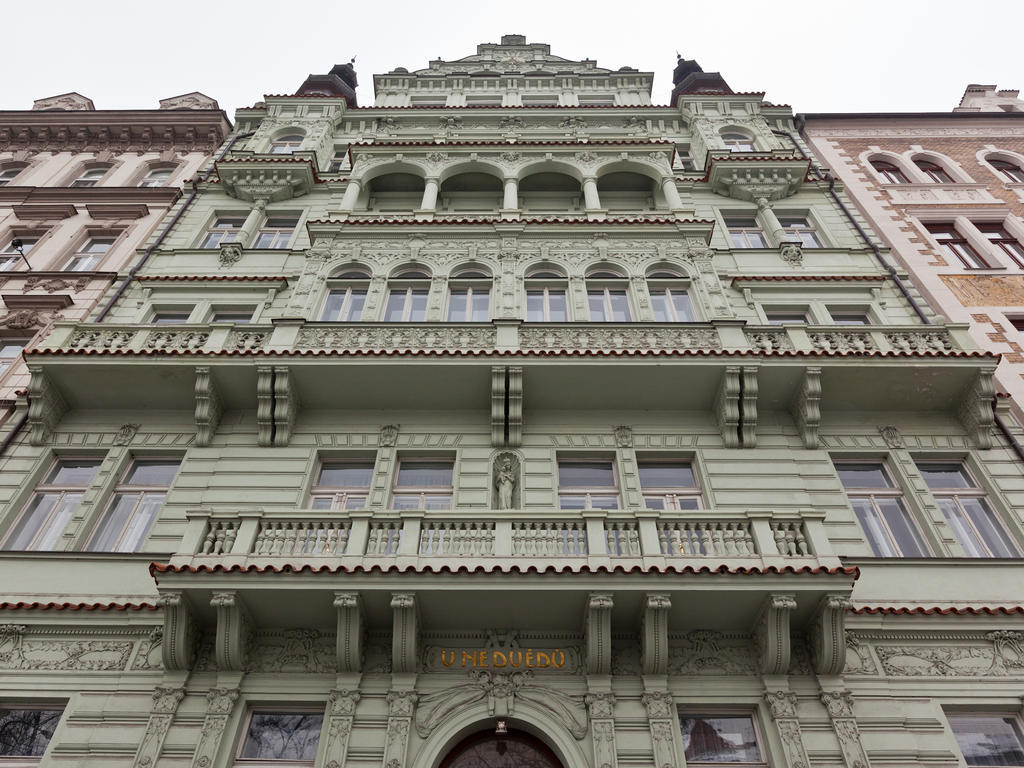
point(985, 290)
point(506, 481)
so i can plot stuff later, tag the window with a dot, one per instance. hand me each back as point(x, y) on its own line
point(10, 351)
point(428, 101)
point(9, 174)
point(738, 142)
point(423, 484)
point(156, 177)
point(469, 305)
point(745, 233)
point(10, 256)
point(224, 230)
point(171, 317)
point(890, 173)
point(669, 298)
point(236, 316)
point(668, 484)
point(597, 100)
point(785, 317)
point(342, 484)
point(276, 232)
point(934, 172)
point(607, 298)
point(1010, 172)
point(545, 297)
point(407, 298)
point(966, 510)
point(338, 161)
point(89, 254)
point(717, 739)
point(540, 101)
point(800, 228)
point(483, 101)
point(345, 305)
point(1004, 241)
point(27, 732)
point(879, 507)
point(292, 736)
point(952, 243)
point(989, 739)
point(137, 499)
point(285, 145)
point(684, 159)
point(90, 176)
point(52, 504)
point(587, 484)
point(848, 317)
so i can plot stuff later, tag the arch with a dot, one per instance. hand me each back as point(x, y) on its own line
point(871, 160)
point(631, 166)
point(411, 271)
point(605, 271)
point(472, 166)
point(532, 750)
point(89, 173)
point(286, 141)
point(365, 175)
point(349, 270)
point(472, 270)
point(922, 159)
point(738, 139)
point(147, 175)
point(1007, 166)
point(545, 270)
point(550, 166)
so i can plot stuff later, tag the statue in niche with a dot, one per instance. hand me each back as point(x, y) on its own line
point(506, 481)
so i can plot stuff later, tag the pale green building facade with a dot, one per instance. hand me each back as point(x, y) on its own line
point(512, 420)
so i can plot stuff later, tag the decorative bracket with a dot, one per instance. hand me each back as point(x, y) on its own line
point(179, 636)
point(515, 407)
point(807, 407)
point(828, 635)
point(405, 634)
point(498, 406)
point(654, 634)
point(748, 408)
point(233, 630)
point(350, 631)
point(46, 406)
point(208, 407)
point(976, 412)
point(598, 633)
point(727, 407)
point(772, 633)
point(506, 406)
point(286, 405)
point(265, 405)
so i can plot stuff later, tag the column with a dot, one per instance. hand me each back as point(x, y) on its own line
point(771, 222)
point(348, 202)
point(430, 188)
point(668, 184)
point(511, 201)
point(592, 200)
point(252, 223)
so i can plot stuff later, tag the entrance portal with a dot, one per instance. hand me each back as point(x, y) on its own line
point(512, 750)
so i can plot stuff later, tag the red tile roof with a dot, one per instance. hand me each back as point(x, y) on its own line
point(22, 606)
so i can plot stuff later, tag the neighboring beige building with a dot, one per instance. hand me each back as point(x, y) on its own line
point(81, 190)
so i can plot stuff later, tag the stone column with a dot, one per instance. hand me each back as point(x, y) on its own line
point(668, 185)
point(252, 223)
point(430, 188)
point(592, 200)
point(348, 202)
point(165, 704)
point(771, 222)
point(511, 201)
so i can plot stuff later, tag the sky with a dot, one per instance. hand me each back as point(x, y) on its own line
point(818, 56)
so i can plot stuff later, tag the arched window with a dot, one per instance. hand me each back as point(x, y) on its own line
point(1010, 172)
point(670, 297)
point(488, 749)
point(890, 173)
point(738, 142)
point(546, 296)
point(285, 145)
point(10, 173)
point(91, 176)
point(347, 296)
point(934, 172)
point(607, 296)
point(157, 177)
point(407, 297)
point(469, 296)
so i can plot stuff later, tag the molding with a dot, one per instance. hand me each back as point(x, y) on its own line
point(208, 407)
point(654, 634)
point(771, 631)
point(234, 630)
point(35, 212)
point(807, 407)
point(351, 631)
point(165, 704)
point(121, 211)
point(598, 633)
point(828, 635)
point(405, 634)
point(46, 406)
point(179, 635)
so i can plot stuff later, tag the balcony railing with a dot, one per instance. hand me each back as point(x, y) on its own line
point(703, 537)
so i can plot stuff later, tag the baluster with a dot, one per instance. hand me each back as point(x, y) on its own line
point(342, 543)
point(729, 539)
point(665, 532)
point(581, 538)
point(208, 540)
point(791, 549)
point(706, 546)
point(371, 543)
point(780, 538)
point(261, 540)
point(473, 541)
point(609, 540)
point(459, 534)
point(291, 535)
point(489, 540)
point(801, 540)
point(744, 542)
point(425, 531)
point(230, 534)
point(517, 539)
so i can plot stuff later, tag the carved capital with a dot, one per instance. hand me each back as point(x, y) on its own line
point(220, 701)
point(658, 704)
point(838, 703)
point(342, 703)
point(601, 705)
point(166, 699)
point(782, 704)
point(388, 436)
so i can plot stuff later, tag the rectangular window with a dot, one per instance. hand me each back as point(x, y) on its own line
point(171, 317)
point(966, 510)
point(344, 305)
point(428, 101)
point(745, 233)
point(800, 228)
point(608, 305)
point(406, 305)
point(52, 504)
point(540, 101)
point(718, 739)
point(782, 317)
point(879, 507)
point(338, 161)
point(89, 254)
point(989, 739)
point(26, 732)
point(483, 101)
point(952, 243)
point(597, 100)
point(668, 484)
point(672, 305)
point(1004, 241)
point(236, 316)
point(684, 159)
point(224, 230)
point(848, 317)
point(546, 305)
point(277, 232)
point(423, 484)
point(137, 499)
point(271, 736)
point(10, 256)
point(587, 484)
point(10, 352)
point(469, 305)
point(342, 484)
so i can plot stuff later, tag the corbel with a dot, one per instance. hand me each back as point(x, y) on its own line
point(515, 407)
point(350, 631)
point(654, 634)
point(179, 636)
point(208, 406)
point(976, 412)
point(828, 635)
point(772, 633)
point(265, 405)
point(498, 406)
point(405, 632)
point(807, 407)
point(233, 630)
point(46, 406)
point(286, 404)
point(727, 407)
point(748, 407)
point(598, 633)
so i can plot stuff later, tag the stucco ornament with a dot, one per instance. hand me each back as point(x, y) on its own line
point(792, 254)
point(388, 435)
point(126, 433)
point(230, 253)
point(891, 435)
point(624, 436)
point(506, 479)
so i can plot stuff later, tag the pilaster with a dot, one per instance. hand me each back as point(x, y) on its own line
point(782, 706)
point(165, 704)
point(219, 704)
point(341, 709)
point(602, 728)
point(661, 718)
point(401, 705)
point(840, 711)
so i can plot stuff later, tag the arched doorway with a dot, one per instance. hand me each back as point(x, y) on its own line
point(514, 749)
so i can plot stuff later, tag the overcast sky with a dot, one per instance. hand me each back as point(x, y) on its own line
point(817, 55)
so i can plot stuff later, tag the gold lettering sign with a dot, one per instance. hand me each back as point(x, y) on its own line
point(512, 658)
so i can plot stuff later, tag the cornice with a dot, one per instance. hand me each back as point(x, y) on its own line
point(23, 606)
point(213, 279)
point(435, 146)
point(806, 278)
point(90, 195)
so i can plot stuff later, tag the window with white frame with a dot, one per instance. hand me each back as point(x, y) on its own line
point(587, 484)
point(670, 297)
point(546, 296)
point(785, 316)
point(607, 297)
point(225, 229)
point(345, 300)
point(952, 243)
point(890, 173)
point(53, 502)
point(935, 172)
point(469, 297)
point(10, 173)
point(801, 229)
point(668, 484)
point(136, 502)
point(10, 351)
point(745, 232)
point(717, 739)
point(285, 145)
point(282, 737)
point(967, 510)
point(407, 297)
point(989, 739)
point(178, 316)
point(1003, 240)
point(339, 160)
point(26, 732)
point(484, 101)
point(423, 484)
point(89, 254)
point(848, 316)
point(157, 177)
point(236, 315)
point(90, 177)
point(738, 142)
point(684, 158)
point(342, 484)
point(10, 256)
point(880, 509)
point(428, 101)
point(597, 100)
point(276, 232)
point(1010, 172)
point(537, 100)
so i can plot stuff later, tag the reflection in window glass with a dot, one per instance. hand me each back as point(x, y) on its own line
point(989, 739)
point(880, 509)
point(52, 505)
point(721, 739)
point(27, 732)
point(966, 510)
point(134, 507)
point(282, 736)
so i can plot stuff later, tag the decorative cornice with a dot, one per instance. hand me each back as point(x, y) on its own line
point(90, 195)
point(920, 610)
point(36, 606)
point(213, 279)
